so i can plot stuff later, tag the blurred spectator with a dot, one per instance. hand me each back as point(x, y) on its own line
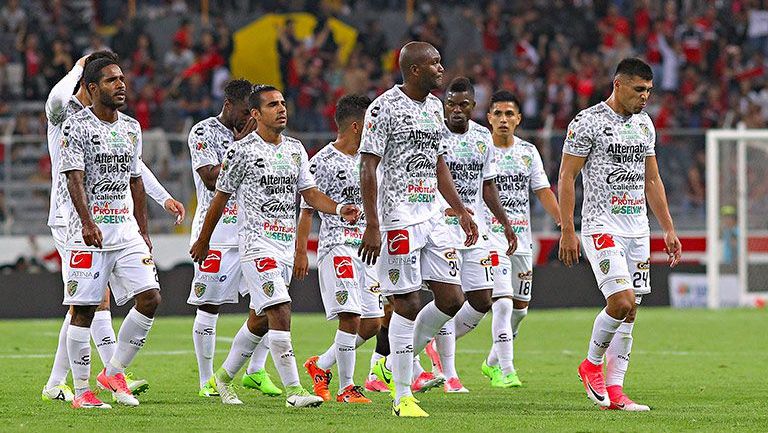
point(195, 100)
point(13, 19)
point(35, 85)
point(178, 59)
point(183, 35)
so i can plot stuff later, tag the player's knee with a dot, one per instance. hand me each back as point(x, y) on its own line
point(147, 302)
point(210, 309)
point(520, 305)
point(279, 316)
point(369, 328)
point(450, 305)
point(257, 325)
point(349, 323)
point(481, 304)
point(82, 315)
point(632, 314)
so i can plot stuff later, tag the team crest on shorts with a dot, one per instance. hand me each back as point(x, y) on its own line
point(605, 266)
point(71, 287)
point(199, 289)
point(268, 288)
point(525, 276)
point(394, 275)
point(342, 296)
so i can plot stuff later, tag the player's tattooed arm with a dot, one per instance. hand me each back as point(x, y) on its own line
point(491, 199)
point(301, 263)
point(657, 200)
point(570, 166)
point(448, 190)
point(140, 208)
point(370, 248)
point(199, 250)
point(76, 185)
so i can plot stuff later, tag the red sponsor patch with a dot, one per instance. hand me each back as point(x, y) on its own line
point(494, 258)
point(343, 267)
point(212, 263)
point(602, 241)
point(81, 259)
point(397, 242)
point(265, 264)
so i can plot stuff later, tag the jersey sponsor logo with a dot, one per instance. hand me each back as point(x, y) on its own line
point(397, 242)
point(343, 267)
point(627, 205)
point(199, 289)
point(605, 266)
point(342, 296)
point(494, 258)
point(602, 241)
point(268, 288)
point(201, 146)
point(394, 275)
point(81, 260)
point(265, 264)
point(212, 262)
point(622, 175)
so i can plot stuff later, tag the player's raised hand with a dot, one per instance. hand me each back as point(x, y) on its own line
point(175, 208)
point(350, 213)
point(673, 247)
point(470, 228)
point(81, 61)
point(92, 234)
point(371, 247)
point(199, 251)
point(569, 248)
point(300, 265)
point(509, 233)
point(250, 126)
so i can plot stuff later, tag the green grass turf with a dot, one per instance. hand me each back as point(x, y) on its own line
point(698, 370)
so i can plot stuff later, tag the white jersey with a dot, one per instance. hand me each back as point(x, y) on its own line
point(406, 135)
point(338, 176)
point(519, 169)
point(615, 148)
point(469, 157)
point(208, 142)
point(266, 178)
point(109, 154)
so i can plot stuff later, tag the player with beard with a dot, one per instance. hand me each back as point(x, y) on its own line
point(266, 170)
point(402, 172)
point(612, 144)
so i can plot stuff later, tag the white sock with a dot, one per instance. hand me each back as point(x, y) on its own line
point(428, 322)
point(501, 332)
point(130, 339)
point(283, 357)
point(617, 355)
point(517, 316)
point(61, 359)
point(602, 333)
point(328, 358)
point(79, 352)
point(375, 357)
point(103, 335)
point(401, 357)
point(445, 343)
point(466, 319)
point(417, 368)
point(204, 339)
point(345, 344)
point(492, 358)
point(241, 350)
point(259, 357)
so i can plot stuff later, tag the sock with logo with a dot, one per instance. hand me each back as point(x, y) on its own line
point(283, 357)
point(466, 319)
point(259, 357)
point(103, 335)
point(428, 322)
point(204, 339)
point(602, 332)
point(79, 352)
point(417, 368)
point(400, 359)
point(518, 314)
point(328, 358)
point(617, 355)
point(241, 350)
point(345, 344)
point(61, 359)
point(445, 343)
point(375, 357)
point(501, 332)
point(130, 339)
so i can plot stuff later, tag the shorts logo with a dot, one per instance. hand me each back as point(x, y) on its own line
point(494, 258)
point(342, 296)
point(644, 266)
point(222, 278)
point(265, 264)
point(603, 241)
point(199, 289)
point(212, 263)
point(81, 259)
point(394, 275)
point(486, 262)
point(397, 242)
point(343, 267)
point(451, 255)
point(605, 266)
point(268, 288)
point(147, 261)
point(71, 287)
point(375, 288)
point(525, 276)
point(622, 281)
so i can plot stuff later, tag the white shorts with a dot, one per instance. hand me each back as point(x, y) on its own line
point(218, 280)
point(513, 276)
point(267, 280)
point(619, 263)
point(59, 234)
point(474, 264)
point(347, 285)
point(129, 271)
point(409, 256)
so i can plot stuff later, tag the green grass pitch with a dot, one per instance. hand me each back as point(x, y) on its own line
point(698, 370)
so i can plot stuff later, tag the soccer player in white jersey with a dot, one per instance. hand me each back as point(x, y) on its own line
point(402, 172)
point(266, 170)
point(519, 169)
point(470, 158)
point(218, 279)
point(61, 104)
point(613, 145)
point(349, 288)
point(107, 236)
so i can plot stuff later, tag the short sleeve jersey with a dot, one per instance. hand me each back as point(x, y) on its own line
point(519, 170)
point(406, 135)
point(208, 143)
point(615, 148)
point(469, 157)
point(57, 213)
point(266, 179)
point(338, 176)
point(109, 154)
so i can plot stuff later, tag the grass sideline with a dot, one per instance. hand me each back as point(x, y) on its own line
point(699, 371)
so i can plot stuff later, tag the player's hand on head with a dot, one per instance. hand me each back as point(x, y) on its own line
point(350, 213)
point(92, 234)
point(199, 251)
point(370, 248)
point(470, 228)
point(81, 61)
point(175, 208)
point(300, 266)
point(673, 247)
point(250, 125)
point(509, 233)
point(569, 251)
